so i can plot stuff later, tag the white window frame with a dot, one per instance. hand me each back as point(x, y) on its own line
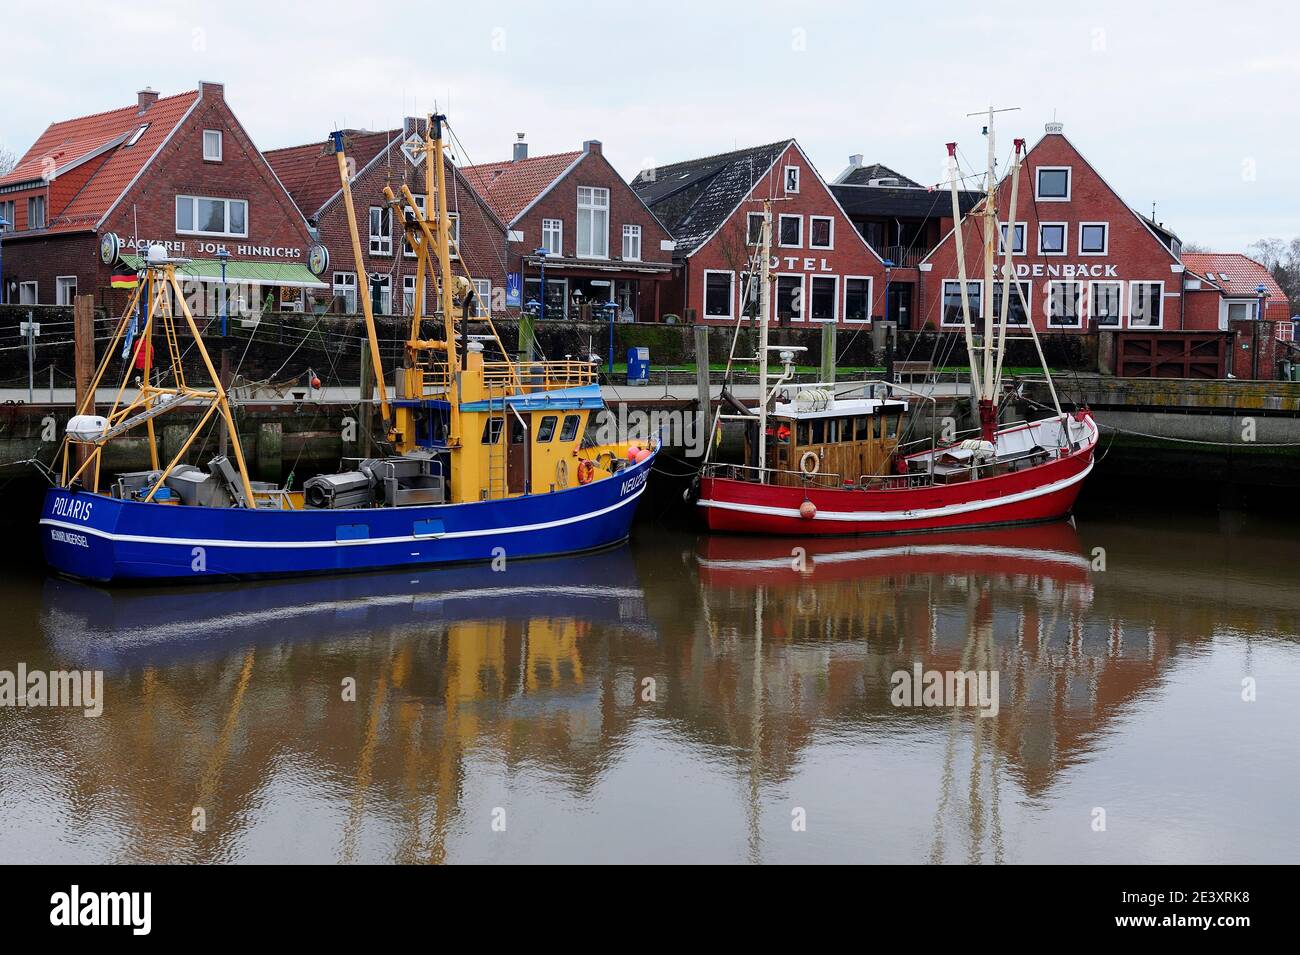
point(482, 297)
point(844, 301)
point(408, 288)
point(835, 299)
point(1065, 239)
point(11, 217)
point(786, 179)
point(824, 248)
point(59, 285)
point(379, 243)
point(779, 242)
point(631, 231)
point(213, 156)
point(386, 283)
point(750, 239)
point(1079, 307)
point(1022, 229)
point(344, 287)
point(594, 209)
point(1161, 298)
point(943, 297)
point(194, 215)
point(453, 240)
point(135, 137)
point(408, 250)
point(1105, 245)
point(1014, 292)
point(1119, 304)
point(555, 226)
point(36, 202)
point(36, 293)
point(1069, 183)
point(731, 295)
point(802, 317)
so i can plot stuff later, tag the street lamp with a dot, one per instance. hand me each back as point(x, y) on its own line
point(612, 308)
point(541, 254)
point(223, 255)
point(4, 227)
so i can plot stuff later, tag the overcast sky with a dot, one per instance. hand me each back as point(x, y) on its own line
point(1189, 105)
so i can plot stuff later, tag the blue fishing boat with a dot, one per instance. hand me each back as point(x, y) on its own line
point(479, 459)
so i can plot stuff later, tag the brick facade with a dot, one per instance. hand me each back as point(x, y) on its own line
point(825, 281)
point(1133, 251)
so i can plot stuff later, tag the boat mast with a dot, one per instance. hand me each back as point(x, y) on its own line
point(375, 360)
point(988, 414)
point(765, 269)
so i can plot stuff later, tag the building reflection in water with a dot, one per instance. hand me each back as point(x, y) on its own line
point(759, 651)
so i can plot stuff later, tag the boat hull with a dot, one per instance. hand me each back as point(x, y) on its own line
point(1042, 493)
point(95, 537)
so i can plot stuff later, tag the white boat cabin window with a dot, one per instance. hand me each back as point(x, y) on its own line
point(1104, 302)
point(1052, 184)
point(570, 430)
point(546, 430)
point(718, 294)
point(1019, 247)
point(952, 301)
point(1016, 314)
point(1146, 304)
point(1094, 238)
point(1065, 304)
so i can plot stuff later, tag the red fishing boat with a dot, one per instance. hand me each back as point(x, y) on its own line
point(831, 459)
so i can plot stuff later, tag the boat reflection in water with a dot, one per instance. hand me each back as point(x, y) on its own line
point(677, 699)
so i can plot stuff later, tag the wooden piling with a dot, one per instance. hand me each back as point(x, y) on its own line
point(83, 331)
point(828, 352)
point(365, 409)
point(704, 402)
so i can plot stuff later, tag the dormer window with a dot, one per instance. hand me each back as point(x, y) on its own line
point(135, 137)
point(1052, 184)
point(212, 145)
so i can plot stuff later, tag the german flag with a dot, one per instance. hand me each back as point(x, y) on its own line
point(125, 280)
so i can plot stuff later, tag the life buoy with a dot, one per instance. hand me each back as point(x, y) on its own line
point(586, 471)
point(562, 473)
point(807, 457)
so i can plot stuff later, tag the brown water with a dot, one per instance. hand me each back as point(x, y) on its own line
point(518, 699)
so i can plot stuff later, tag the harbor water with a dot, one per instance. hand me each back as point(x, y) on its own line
point(684, 698)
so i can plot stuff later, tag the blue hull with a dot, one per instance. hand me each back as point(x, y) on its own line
point(98, 538)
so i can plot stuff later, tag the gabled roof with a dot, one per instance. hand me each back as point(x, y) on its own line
point(902, 203)
point(72, 142)
point(694, 198)
point(862, 176)
point(310, 172)
point(511, 186)
point(1238, 275)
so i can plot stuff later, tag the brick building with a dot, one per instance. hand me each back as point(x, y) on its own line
point(180, 170)
point(1084, 259)
point(572, 214)
point(822, 267)
point(390, 158)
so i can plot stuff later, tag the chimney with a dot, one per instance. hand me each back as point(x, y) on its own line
point(591, 146)
point(146, 98)
point(521, 148)
point(1053, 127)
point(855, 161)
point(209, 89)
point(411, 124)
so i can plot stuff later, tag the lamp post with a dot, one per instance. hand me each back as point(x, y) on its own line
point(612, 308)
point(4, 293)
point(1262, 294)
point(541, 265)
point(223, 255)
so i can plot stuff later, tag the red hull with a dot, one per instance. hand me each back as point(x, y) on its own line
point(1041, 493)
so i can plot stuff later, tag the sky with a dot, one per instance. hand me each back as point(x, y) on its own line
point(1192, 106)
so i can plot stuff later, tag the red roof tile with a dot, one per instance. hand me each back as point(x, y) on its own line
point(75, 139)
point(310, 172)
point(510, 186)
point(1236, 274)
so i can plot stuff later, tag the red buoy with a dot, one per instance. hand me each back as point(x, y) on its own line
point(315, 383)
point(807, 510)
point(643, 455)
point(632, 451)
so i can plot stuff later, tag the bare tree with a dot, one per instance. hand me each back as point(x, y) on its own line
point(1282, 258)
point(8, 159)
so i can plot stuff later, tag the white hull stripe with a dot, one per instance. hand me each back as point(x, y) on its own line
point(404, 539)
point(920, 514)
point(928, 550)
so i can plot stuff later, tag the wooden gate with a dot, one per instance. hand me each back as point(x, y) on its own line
point(1156, 354)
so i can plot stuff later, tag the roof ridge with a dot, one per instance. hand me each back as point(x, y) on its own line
point(527, 159)
point(118, 109)
point(730, 153)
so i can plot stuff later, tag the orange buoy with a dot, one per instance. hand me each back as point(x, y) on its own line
point(586, 471)
point(643, 455)
point(807, 510)
point(632, 451)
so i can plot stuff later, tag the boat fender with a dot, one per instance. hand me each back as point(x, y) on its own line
point(809, 463)
point(87, 427)
point(643, 455)
point(562, 473)
point(586, 471)
point(692, 492)
point(632, 451)
point(807, 510)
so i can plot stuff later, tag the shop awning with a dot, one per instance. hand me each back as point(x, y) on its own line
point(291, 274)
